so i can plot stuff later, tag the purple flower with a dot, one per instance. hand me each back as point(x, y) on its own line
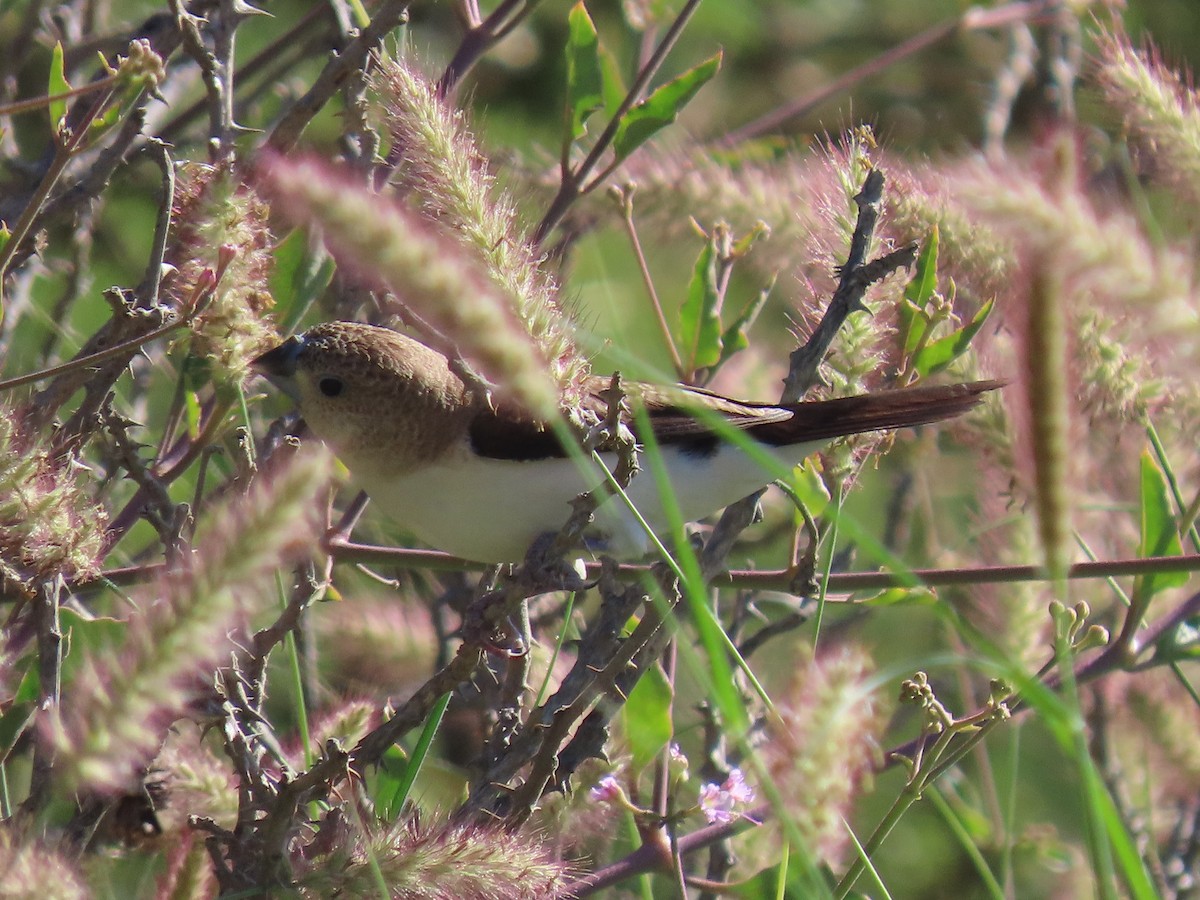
point(607, 790)
point(720, 803)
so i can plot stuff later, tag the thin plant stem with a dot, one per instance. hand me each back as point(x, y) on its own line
point(862, 861)
point(22, 106)
point(648, 281)
point(827, 575)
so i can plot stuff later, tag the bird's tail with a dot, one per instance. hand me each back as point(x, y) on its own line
point(901, 408)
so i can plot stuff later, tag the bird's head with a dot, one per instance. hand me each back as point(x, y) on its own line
point(376, 396)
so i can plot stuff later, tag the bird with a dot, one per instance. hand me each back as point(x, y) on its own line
point(482, 480)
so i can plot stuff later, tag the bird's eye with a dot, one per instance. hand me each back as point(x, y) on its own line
point(330, 386)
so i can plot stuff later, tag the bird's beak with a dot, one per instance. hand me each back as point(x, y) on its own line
point(280, 362)
point(278, 366)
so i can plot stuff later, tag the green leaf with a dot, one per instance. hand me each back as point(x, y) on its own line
point(387, 782)
point(192, 410)
point(406, 778)
point(612, 85)
point(15, 721)
point(661, 108)
point(1160, 537)
point(746, 242)
point(700, 315)
point(918, 292)
point(936, 355)
point(810, 488)
point(648, 717)
point(585, 80)
point(106, 120)
point(735, 337)
point(58, 85)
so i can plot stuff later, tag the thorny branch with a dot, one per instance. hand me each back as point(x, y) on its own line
point(346, 65)
point(854, 278)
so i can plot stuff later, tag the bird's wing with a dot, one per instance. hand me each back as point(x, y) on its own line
point(678, 415)
point(684, 417)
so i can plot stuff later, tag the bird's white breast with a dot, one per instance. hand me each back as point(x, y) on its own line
point(491, 510)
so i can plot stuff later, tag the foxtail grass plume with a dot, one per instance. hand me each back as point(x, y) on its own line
point(389, 246)
point(193, 780)
point(969, 251)
point(48, 526)
point(1074, 256)
point(31, 871)
point(822, 746)
point(1102, 254)
point(120, 702)
point(220, 230)
point(1118, 379)
point(1047, 401)
point(347, 723)
point(188, 873)
point(1160, 109)
point(446, 178)
point(439, 863)
point(386, 642)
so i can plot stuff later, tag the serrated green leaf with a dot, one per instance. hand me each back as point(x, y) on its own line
point(648, 717)
point(58, 84)
point(662, 107)
point(936, 355)
point(1159, 535)
point(585, 81)
point(700, 317)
